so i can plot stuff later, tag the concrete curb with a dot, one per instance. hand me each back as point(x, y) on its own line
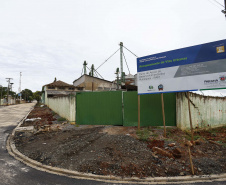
point(78, 175)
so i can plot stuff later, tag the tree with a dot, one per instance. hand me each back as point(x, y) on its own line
point(3, 92)
point(27, 95)
point(37, 96)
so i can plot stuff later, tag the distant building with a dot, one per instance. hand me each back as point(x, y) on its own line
point(57, 88)
point(129, 79)
point(90, 83)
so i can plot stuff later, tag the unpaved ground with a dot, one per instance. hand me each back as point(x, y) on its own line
point(121, 151)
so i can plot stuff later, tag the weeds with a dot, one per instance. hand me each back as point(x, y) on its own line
point(143, 134)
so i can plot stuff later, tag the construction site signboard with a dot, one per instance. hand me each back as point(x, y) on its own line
point(200, 67)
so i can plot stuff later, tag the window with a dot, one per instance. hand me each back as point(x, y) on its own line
point(50, 87)
point(62, 88)
point(71, 88)
point(80, 88)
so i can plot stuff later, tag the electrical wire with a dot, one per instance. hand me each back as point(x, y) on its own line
point(218, 3)
point(214, 4)
point(96, 71)
point(107, 59)
point(130, 51)
point(126, 62)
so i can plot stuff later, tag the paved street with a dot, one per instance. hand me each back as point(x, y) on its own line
point(13, 172)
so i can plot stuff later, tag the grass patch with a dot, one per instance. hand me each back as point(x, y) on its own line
point(61, 119)
point(143, 134)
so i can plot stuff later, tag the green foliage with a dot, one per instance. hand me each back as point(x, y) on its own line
point(37, 96)
point(143, 134)
point(3, 92)
point(61, 119)
point(27, 95)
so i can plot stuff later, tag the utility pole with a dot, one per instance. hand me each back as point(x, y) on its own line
point(20, 86)
point(224, 11)
point(1, 95)
point(8, 80)
point(121, 61)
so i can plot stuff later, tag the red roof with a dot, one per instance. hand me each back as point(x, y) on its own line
point(59, 83)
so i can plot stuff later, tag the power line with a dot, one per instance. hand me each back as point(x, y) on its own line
point(218, 3)
point(126, 62)
point(131, 52)
point(96, 71)
point(214, 4)
point(107, 59)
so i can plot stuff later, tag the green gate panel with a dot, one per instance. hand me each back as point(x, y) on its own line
point(151, 109)
point(99, 108)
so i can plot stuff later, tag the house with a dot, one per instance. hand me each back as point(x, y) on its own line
point(91, 83)
point(57, 88)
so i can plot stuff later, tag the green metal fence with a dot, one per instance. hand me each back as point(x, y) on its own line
point(150, 109)
point(99, 108)
point(121, 108)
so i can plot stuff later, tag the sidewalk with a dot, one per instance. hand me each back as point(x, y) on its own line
point(12, 115)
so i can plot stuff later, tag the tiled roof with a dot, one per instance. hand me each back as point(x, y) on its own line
point(59, 83)
point(92, 77)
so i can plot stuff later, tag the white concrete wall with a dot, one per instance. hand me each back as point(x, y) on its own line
point(64, 106)
point(11, 101)
point(206, 111)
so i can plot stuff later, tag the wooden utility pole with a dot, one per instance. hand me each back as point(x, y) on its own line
point(192, 137)
point(138, 112)
point(163, 115)
point(191, 163)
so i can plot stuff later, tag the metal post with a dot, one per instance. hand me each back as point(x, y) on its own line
point(20, 86)
point(8, 90)
point(8, 94)
point(225, 7)
point(121, 60)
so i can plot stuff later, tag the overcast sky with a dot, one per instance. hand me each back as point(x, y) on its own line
point(45, 39)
